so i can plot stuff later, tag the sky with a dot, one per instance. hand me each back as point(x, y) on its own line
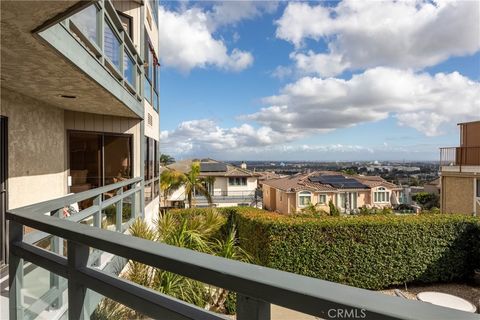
point(318, 81)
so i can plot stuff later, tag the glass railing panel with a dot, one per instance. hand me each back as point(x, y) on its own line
point(44, 294)
point(148, 91)
point(87, 22)
point(110, 309)
point(129, 69)
point(111, 45)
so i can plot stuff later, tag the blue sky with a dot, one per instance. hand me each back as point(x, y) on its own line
point(317, 81)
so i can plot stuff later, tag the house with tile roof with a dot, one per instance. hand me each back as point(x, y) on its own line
point(348, 192)
point(228, 185)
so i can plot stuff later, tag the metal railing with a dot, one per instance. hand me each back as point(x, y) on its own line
point(115, 196)
point(107, 40)
point(460, 156)
point(256, 287)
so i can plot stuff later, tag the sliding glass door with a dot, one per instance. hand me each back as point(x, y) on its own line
point(98, 159)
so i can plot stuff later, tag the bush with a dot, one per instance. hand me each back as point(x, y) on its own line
point(371, 252)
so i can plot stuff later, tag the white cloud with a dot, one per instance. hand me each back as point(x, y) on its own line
point(232, 12)
point(420, 101)
point(206, 135)
point(400, 34)
point(187, 42)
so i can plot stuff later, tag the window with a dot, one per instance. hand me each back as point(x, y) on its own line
point(322, 198)
point(238, 181)
point(151, 74)
point(478, 188)
point(151, 168)
point(129, 68)
point(304, 198)
point(127, 23)
point(381, 195)
point(98, 159)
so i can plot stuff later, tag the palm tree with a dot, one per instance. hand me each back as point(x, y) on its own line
point(166, 159)
point(193, 184)
point(170, 180)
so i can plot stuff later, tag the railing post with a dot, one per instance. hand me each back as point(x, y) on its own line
point(56, 245)
point(119, 213)
point(15, 271)
point(252, 309)
point(97, 220)
point(77, 258)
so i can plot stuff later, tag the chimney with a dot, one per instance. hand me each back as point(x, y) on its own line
point(243, 165)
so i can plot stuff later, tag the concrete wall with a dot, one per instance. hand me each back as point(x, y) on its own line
point(457, 195)
point(36, 149)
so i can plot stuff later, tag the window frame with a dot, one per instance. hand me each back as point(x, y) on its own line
point(303, 194)
point(324, 195)
point(381, 195)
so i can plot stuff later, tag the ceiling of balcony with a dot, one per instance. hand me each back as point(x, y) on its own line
point(31, 67)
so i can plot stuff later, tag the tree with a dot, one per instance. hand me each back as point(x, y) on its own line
point(427, 200)
point(193, 184)
point(170, 180)
point(166, 159)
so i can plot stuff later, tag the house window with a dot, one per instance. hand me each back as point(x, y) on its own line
point(381, 195)
point(237, 181)
point(151, 169)
point(304, 198)
point(322, 198)
point(152, 78)
point(98, 159)
point(478, 188)
point(127, 23)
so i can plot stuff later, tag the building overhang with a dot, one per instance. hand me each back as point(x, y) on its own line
point(52, 66)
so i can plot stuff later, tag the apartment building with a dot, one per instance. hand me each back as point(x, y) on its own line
point(79, 109)
point(460, 172)
point(347, 192)
point(227, 184)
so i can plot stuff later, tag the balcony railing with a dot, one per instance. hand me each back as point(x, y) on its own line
point(100, 30)
point(256, 287)
point(460, 156)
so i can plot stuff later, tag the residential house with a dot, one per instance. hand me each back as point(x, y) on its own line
point(347, 192)
point(79, 114)
point(460, 172)
point(228, 185)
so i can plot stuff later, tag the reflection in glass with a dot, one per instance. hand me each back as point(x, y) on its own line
point(85, 161)
point(86, 21)
point(112, 45)
point(129, 68)
point(118, 158)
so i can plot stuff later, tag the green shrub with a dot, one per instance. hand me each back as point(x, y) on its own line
point(370, 252)
point(373, 251)
point(333, 209)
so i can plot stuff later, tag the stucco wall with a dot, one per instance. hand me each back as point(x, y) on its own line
point(457, 194)
point(36, 149)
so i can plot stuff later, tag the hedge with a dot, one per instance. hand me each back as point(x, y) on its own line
point(372, 252)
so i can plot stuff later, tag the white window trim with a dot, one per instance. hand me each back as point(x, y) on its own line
point(386, 195)
point(304, 195)
point(322, 195)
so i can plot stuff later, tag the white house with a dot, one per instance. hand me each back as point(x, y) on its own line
point(228, 185)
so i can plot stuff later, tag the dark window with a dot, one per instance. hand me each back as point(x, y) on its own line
point(478, 187)
point(237, 181)
point(98, 159)
point(151, 74)
point(152, 168)
point(127, 23)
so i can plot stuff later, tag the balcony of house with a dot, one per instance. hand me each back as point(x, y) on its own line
point(70, 263)
point(72, 55)
point(460, 159)
point(220, 196)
